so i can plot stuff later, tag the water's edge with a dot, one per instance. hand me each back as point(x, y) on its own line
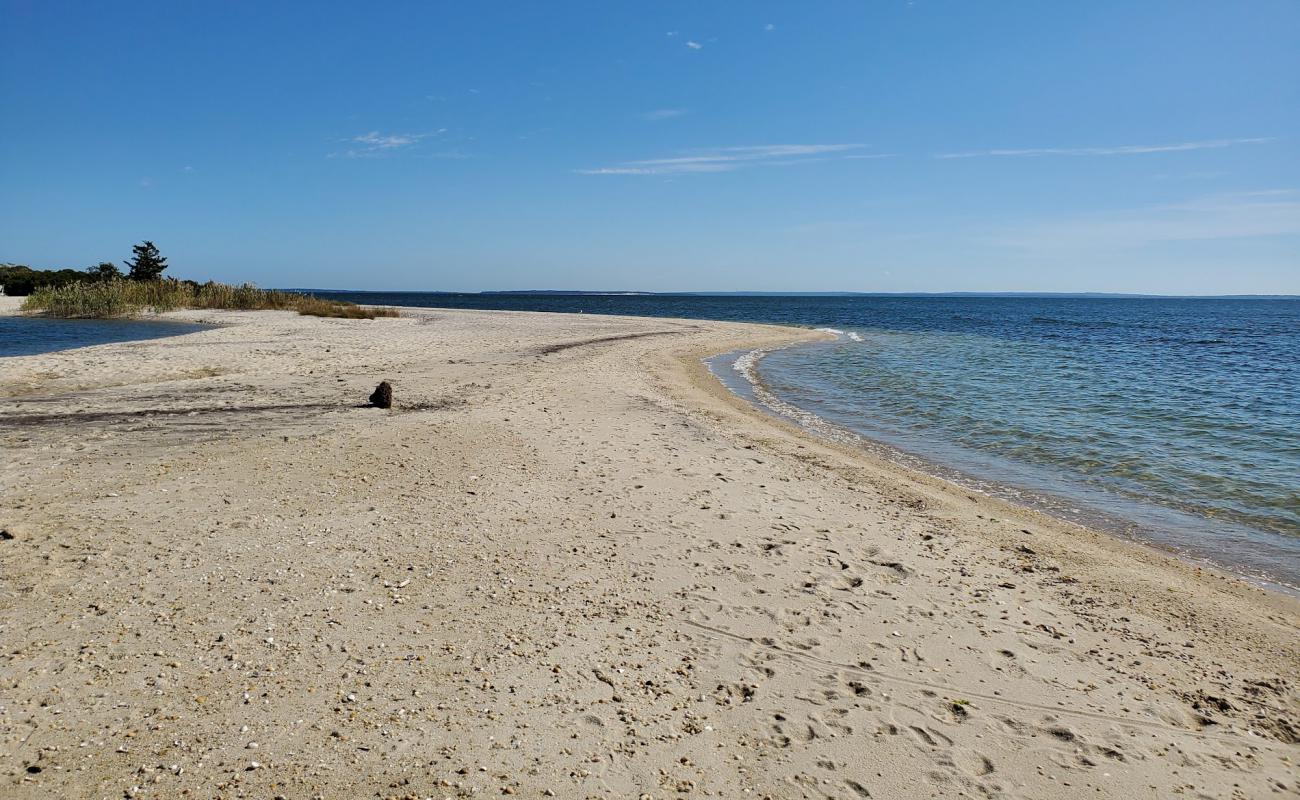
point(738, 372)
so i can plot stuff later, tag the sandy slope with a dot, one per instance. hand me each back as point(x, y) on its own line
point(568, 565)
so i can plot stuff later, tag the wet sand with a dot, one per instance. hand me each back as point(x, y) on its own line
point(568, 563)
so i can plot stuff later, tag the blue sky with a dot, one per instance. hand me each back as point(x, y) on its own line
point(865, 146)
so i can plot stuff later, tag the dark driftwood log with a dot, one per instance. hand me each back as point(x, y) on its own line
point(382, 396)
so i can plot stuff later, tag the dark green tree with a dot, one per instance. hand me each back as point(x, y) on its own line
point(147, 264)
point(104, 271)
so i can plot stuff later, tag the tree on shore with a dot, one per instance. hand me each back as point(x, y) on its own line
point(147, 264)
point(104, 271)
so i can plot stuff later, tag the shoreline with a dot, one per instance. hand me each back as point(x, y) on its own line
point(1111, 523)
point(1178, 533)
point(570, 560)
point(914, 476)
point(889, 455)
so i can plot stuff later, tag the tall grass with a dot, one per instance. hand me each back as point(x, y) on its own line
point(124, 298)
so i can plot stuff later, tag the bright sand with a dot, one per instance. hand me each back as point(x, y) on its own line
point(570, 564)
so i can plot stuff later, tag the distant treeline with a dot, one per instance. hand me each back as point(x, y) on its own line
point(18, 280)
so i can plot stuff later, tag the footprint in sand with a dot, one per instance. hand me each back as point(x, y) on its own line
point(846, 583)
point(1007, 661)
point(971, 762)
point(929, 736)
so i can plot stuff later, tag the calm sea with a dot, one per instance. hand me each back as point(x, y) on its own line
point(1174, 421)
point(25, 336)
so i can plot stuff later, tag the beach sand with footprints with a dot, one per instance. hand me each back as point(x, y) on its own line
point(568, 563)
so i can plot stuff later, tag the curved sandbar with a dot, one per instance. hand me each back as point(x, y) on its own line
point(569, 561)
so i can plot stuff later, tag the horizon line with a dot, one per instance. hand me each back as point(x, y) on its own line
point(826, 293)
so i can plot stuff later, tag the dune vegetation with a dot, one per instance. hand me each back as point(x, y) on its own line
point(125, 298)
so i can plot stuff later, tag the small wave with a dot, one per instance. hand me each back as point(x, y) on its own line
point(839, 334)
point(746, 365)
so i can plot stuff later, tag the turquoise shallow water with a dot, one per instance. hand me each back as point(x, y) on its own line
point(1141, 424)
point(1173, 420)
point(1160, 421)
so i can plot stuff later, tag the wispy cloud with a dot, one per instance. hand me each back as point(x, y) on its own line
point(1235, 215)
point(387, 141)
point(374, 143)
point(726, 159)
point(694, 45)
point(663, 113)
point(1121, 150)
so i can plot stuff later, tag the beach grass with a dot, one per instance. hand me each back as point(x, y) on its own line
point(127, 298)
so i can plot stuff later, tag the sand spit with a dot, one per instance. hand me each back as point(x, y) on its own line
point(568, 564)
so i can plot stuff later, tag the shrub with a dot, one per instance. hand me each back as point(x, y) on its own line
point(316, 307)
point(104, 271)
point(100, 300)
point(123, 298)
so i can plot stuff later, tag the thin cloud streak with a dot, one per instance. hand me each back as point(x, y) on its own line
point(374, 143)
point(726, 159)
point(1122, 150)
point(381, 142)
point(663, 113)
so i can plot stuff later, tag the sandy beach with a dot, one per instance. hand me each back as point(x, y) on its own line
point(568, 563)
